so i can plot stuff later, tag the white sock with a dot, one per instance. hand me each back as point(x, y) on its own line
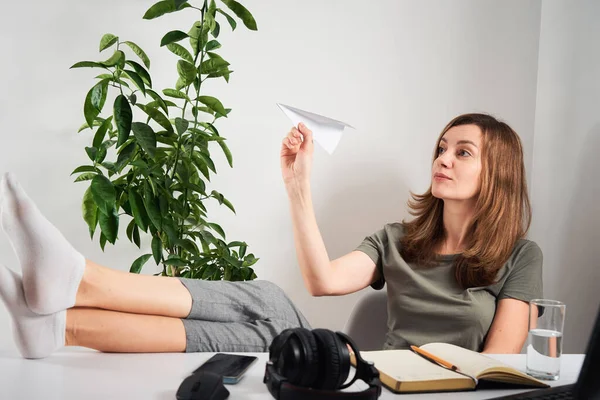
point(36, 336)
point(52, 268)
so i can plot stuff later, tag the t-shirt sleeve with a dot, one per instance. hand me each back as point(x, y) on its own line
point(525, 280)
point(373, 246)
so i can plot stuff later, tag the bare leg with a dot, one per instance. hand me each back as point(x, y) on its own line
point(110, 289)
point(118, 332)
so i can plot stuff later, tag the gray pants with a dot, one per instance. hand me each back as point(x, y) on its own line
point(237, 316)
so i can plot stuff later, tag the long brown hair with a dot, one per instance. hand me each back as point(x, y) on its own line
point(502, 211)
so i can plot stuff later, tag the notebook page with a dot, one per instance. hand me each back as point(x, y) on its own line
point(468, 361)
point(405, 366)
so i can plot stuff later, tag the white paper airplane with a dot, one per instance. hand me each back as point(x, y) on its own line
point(326, 131)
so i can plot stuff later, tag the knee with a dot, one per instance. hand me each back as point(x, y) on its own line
point(270, 287)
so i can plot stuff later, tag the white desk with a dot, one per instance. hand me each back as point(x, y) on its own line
point(77, 373)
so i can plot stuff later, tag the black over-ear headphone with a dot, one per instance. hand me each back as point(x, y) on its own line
point(314, 364)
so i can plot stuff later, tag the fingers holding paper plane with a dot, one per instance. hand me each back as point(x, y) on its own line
point(296, 154)
point(327, 131)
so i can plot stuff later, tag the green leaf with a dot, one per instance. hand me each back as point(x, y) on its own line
point(137, 265)
point(180, 84)
point(175, 262)
point(243, 250)
point(181, 125)
point(212, 45)
point(207, 160)
point(182, 171)
point(87, 64)
point(136, 236)
point(139, 52)
point(97, 122)
point(159, 100)
point(138, 210)
point(102, 241)
point(125, 155)
point(129, 230)
point(85, 168)
point(85, 177)
point(123, 117)
point(230, 19)
point(92, 153)
point(242, 13)
point(216, 30)
point(217, 228)
point(107, 41)
point(198, 36)
point(164, 7)
point(180, 51)
point(109, 224)
point(157, 249)
point(104, 194)
point(101, 154)
point(141, 71)
point(118, 58)
point(145, 137)
point(101, 132)
point(188, 245)
point(201, 164)
point(213, 65)
point(210, 127)
point(172, 37)
point(176, 94)
point(187, 71)
point(222, 73)
point(152, 207)
point(227, 153)
point(228, 204)
point(89, 210)
point(213, 103)
point(157, 116)
point(94, 101)
point(136, 79)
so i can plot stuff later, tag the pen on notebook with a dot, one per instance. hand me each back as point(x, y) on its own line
point(433, 358)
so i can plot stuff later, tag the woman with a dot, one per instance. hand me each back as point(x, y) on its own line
point(460, 272)
point(460, 264)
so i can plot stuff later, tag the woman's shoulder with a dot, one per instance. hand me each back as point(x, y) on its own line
point(525, 248)
point(394, 230)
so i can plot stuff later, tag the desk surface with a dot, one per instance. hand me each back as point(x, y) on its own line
point(77, 373)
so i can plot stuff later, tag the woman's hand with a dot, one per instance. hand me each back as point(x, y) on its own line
point(296, 155)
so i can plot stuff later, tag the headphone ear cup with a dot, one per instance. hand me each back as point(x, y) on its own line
point(334, 360)
point(277, 344)
point(299, 362)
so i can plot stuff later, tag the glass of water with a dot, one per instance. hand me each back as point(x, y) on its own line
point(544, 348)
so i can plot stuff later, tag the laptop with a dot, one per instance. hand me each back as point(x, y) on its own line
point(587, 386)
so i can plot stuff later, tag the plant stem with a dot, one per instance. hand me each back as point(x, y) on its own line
point(201, 53)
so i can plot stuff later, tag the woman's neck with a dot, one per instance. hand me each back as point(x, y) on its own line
point(457, 219)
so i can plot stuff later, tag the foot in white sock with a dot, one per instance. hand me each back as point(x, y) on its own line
point(36, 336)
point(52, 268)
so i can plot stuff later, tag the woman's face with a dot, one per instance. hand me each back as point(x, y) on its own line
point(457, 168)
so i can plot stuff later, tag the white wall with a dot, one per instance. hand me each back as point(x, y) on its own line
point(566, 184)
point(398, 71)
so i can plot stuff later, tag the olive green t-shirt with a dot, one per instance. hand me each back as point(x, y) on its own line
point(426, 304)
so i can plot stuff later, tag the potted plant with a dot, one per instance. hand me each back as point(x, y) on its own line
point(158, 178)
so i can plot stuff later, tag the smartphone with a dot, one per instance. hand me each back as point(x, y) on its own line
point(230, 366)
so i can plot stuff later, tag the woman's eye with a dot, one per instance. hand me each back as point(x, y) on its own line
point(441, 150)
point(464, 153)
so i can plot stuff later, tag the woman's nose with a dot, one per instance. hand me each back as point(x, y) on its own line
point(445, 159)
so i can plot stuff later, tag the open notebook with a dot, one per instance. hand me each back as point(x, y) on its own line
point(406, 371)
